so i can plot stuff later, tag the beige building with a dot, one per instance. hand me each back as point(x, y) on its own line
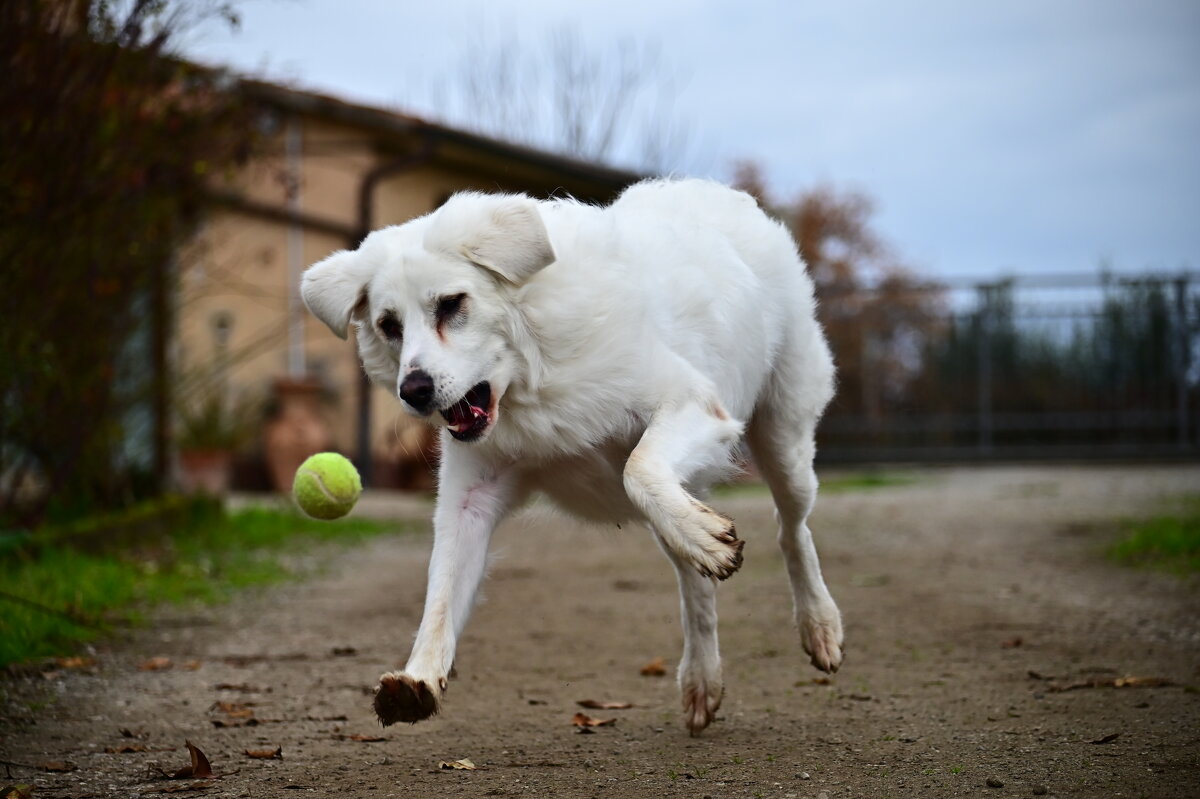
point(331, 172)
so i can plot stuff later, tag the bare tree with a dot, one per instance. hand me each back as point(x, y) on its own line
point(611, 103)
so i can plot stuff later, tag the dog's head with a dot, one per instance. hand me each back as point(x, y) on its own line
point(432, 305)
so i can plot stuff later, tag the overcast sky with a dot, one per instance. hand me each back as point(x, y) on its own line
point(994, 137)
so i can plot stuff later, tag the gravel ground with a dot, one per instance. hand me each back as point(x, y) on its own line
point(985, 632)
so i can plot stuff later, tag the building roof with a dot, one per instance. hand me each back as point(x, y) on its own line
point(393, 124)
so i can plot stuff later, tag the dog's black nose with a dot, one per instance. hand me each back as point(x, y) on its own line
point(417, 390)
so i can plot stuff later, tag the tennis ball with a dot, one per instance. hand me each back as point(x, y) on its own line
point(327, 486)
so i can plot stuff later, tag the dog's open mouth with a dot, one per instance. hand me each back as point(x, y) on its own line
point(470, 416)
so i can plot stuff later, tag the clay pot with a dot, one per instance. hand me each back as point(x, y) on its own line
point(205, 471)
point(298, 429)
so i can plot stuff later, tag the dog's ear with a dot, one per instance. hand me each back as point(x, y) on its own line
point(504, 234)
point(333, 288)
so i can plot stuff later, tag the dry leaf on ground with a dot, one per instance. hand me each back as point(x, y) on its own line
point(127, 749)
point(266, 754)
point(1119, 682)
point(655, 668)
point(1107, 739)
point(595, 705)
point(458, 765)
point(155, 664)
point(358, 736)
point(584, 720)
point(16, 792)
point(77, 662)
point(241, 686)
point(236, 710)
point(200, 766)
point(195, 786)
point(58, 765)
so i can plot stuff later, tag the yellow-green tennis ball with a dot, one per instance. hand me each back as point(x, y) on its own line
point(327, 486)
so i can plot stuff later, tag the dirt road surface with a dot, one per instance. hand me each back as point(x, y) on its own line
point(983, 624)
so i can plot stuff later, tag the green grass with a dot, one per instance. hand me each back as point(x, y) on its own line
point(1170, 542)
point(861, 481)
point(205, 558)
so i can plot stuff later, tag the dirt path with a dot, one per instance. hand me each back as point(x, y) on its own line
point(938, 582)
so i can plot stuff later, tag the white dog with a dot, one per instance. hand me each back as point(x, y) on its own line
point(610, 358)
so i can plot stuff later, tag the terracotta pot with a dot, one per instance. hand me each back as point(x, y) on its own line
point(205, 471)
point(298, 430)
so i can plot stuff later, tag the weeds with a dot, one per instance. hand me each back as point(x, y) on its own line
point(57, 597)
point(1170, 542)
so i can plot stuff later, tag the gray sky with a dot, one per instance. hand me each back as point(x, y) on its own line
point(1015, 136)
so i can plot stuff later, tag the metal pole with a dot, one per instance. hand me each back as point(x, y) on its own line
point(294, 147)
point(366, 214)
point(984, 356)
point(1182, 362)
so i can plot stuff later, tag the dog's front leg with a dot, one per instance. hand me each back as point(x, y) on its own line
point(473, 497)
point(682, 440)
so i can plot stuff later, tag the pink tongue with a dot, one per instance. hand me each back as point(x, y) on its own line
point(467, 415)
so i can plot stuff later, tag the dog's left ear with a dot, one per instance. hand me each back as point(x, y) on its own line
point(503, 234)
point(335, 288)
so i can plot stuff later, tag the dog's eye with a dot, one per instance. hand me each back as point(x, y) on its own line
point(390, 327)
point(448, 307)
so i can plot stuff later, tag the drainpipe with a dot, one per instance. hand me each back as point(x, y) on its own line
point(293, 147)
point(366, 213)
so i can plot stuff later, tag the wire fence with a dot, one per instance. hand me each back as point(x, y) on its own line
point(1066, 366)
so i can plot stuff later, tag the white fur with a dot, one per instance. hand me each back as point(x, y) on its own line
point(627, 349)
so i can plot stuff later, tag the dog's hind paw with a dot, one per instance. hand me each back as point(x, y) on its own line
point(822, 640)
point(400, 697)
point(700, 703)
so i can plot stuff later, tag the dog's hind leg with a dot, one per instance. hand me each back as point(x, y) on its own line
point(472, 499)
point(781, 439)
point(685, 441)
point(700, 683)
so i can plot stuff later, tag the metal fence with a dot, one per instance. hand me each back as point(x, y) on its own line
point(1066, 366)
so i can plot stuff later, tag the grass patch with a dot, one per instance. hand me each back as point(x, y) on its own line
point(57, 597)
point(1170, 542)
point(861, 481)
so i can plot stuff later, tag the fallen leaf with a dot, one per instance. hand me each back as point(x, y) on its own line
point(266, 754)
point(1117, 682)
point(236, 710)
point(191, 665)
point(344, 651)
point(194, 786)
point(155, 664)
point(821, 681)
point(1012, 643)
point(127, 749)
point(16, 792)
point(77, 662)
point(222, 724)
point(365, 739)
point(58, 765)
point(1107, 739)
point(1142, 682)
point(584, 720)
point(458, 765)
point(655, 668)
point(594, 705)
point(199, 768)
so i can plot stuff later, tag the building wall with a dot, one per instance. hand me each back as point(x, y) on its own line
point(235, 277)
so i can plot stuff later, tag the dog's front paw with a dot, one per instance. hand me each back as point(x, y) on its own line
point(822, 638)
point(401, 697)
point(716, 551)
